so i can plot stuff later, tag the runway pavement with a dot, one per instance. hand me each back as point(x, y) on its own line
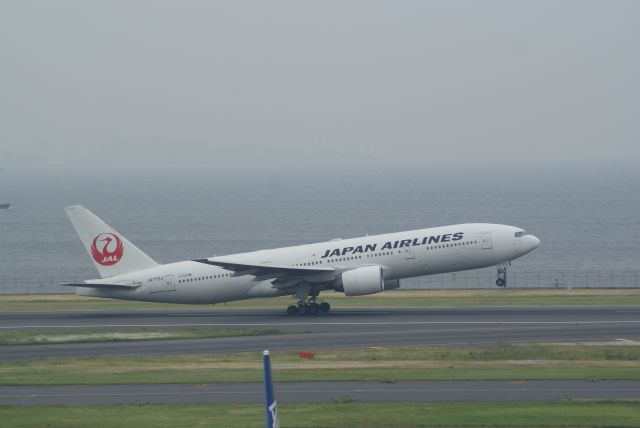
point(342, 328)
point(295, 392)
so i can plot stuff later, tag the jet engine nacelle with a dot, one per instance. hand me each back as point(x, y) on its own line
point(360, 281)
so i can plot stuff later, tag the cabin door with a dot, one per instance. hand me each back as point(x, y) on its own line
point(170, 280)
point(409, 253)
point(410, 259)
point(486, 241)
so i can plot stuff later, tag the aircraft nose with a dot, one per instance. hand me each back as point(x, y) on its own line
point(534, 241)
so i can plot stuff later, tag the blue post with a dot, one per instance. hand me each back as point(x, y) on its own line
point(270, 399)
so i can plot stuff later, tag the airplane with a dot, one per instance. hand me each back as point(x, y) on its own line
point(355, 266)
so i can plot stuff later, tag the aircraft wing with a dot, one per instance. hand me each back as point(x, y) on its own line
point(122, 285)
point(265, 269)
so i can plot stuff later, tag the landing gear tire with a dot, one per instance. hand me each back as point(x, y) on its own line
point(314, 308)
point(307, 303)
point(502, 275)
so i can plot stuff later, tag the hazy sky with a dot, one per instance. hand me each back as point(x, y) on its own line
point(188, 83)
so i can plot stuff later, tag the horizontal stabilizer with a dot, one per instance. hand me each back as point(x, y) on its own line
point(264, 269)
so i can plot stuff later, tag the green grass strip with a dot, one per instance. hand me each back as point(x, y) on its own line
point(498, 362)
point(396, 298)
point(108, 334)
point(332, 415)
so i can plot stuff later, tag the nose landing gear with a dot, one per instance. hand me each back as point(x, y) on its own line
point(501, 281)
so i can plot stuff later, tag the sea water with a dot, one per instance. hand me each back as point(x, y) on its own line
point(588, 219)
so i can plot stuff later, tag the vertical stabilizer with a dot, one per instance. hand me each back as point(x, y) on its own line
point(111, 253)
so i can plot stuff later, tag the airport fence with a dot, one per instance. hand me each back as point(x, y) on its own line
point(566, 279)
point(36, 285)
point(467, 280)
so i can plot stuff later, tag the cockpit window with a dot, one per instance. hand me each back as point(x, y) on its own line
point(519, 234)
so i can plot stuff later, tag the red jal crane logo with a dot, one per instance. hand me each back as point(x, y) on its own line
point(111, 251)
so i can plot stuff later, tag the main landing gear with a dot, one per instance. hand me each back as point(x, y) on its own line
point(309, 308)
point(501, 281)
point(308, 305)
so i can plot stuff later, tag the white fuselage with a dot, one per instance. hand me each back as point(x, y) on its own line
point(401, 255)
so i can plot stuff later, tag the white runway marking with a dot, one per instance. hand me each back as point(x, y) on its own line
point(220, 310)
point(234, 324)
